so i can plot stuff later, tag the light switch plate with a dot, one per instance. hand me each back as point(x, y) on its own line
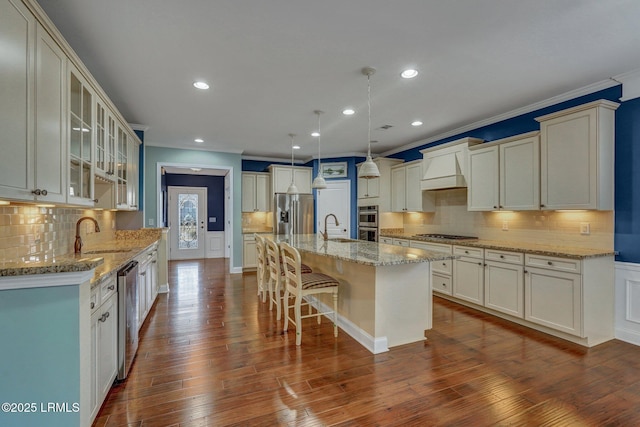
point(505, 225)
point(151, 221)
point(585, 228)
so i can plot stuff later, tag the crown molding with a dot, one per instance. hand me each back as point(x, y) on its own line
point(139, 127)
point(630, 84)
point(203, 148)
point(576, 93)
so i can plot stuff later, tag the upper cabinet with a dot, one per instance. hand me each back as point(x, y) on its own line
point(256, 192)
point(281, 178)
point(377, 191)
point(58, 129)
point(576, 157)
point(406, 195)
point(31, 108)
point(505, 174)
point(81, 132)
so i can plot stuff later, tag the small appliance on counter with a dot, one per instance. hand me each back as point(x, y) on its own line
point(293, 214)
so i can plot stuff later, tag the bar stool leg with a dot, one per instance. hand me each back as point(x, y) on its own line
point(298, 316)
point(335, 314)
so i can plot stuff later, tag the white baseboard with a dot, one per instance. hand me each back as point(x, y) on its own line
point(163, 289)
point(374, 345)
point(236, 270)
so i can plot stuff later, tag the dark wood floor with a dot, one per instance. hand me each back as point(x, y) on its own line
point(211, 354)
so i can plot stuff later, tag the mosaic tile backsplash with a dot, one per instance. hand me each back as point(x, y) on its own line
point(27, 231)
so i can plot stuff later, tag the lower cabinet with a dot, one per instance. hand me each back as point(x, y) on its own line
point(468, 274)
point(504, 282)
point(147, 283)
point(441, 271)
point(249, 255)
point(104, 342)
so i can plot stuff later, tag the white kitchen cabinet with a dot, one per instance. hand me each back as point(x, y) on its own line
point(505, 174)
point(377, 191)
point(122, 169)
point(406, 195)
point(468, 274)
point(133, 184)
point(281, 178)
point(104, 342)
point(386, 240)
point(256, 192)
point(577, 157)
point(33, 164)
point(249, 255)
point(504, 282)
point(441, 270)
point(81, 131)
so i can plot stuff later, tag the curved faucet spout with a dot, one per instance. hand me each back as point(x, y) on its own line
point(325, 233)
point(77, 245)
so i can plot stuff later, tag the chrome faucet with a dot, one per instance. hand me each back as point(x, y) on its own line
point(325, 234)
point(77, 246)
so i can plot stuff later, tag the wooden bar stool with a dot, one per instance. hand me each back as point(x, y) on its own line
point(301, 285)
point(275, 275)
point(262, 272)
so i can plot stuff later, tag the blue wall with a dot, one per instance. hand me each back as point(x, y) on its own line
point(215, 194)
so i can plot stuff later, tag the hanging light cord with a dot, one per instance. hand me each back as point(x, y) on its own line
point(292, 174)
point(369, 105)
point(319, 136)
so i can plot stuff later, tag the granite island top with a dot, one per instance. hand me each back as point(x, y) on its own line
point(530, 248)
point(104, 263)
point(360, 251)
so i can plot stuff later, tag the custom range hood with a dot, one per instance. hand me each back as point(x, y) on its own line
point(445, 165)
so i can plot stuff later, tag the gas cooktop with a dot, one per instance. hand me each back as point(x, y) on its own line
point(446, 236)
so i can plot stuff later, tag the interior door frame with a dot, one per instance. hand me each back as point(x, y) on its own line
point(202, 209)
point(228, 190)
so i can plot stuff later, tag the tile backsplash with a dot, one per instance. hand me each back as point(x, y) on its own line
point(29, 231)
point(539, 227)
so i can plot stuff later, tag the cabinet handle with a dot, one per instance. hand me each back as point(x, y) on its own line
point(39, 192)
point(112, 287)
point(93, 304)
point(144, 273)
point(154, 261)
point(495, 207)
point(104, 317)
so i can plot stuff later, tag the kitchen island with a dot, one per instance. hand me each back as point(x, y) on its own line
point(385, 291)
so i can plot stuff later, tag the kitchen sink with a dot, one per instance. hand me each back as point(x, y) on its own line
point(107, 251)
point(342, 240)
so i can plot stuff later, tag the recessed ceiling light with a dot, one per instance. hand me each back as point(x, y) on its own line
point(409, 74)
point(199, 140)
point(416, 123)
point(296, 147)
point(348, 111)
point(315, 134)
point(200, 85)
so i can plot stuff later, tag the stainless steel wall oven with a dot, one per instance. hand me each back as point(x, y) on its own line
point(368, 223)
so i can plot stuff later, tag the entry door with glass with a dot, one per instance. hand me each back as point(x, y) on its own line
point(187, 222)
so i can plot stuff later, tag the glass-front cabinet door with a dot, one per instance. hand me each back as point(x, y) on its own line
point(102, 164)
point(81, 131)
point(122, 167)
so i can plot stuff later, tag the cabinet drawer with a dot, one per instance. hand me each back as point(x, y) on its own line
point(386, 240)
point(441, 283)
point(401, 242)
point(94, 299)
point(107, 288)
point(444, 266)
point(428, 246)
point(553, 263)
point(502, 256)
point(468, 251)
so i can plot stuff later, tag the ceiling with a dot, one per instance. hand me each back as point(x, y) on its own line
point(270, 64)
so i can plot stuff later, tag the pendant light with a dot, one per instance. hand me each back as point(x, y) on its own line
point(292, 188)
point(368, 169)
point(319, 182)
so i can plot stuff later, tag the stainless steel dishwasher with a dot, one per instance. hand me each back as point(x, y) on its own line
point(127, 318)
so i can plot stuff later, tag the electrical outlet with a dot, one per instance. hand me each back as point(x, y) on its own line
point(151, 221)
point(585, 228)
point(505, 225)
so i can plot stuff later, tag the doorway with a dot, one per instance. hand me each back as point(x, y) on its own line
point(335, 199)
point(187, 214)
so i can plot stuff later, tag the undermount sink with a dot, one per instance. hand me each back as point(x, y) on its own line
point(107, 251)
point(342, 240)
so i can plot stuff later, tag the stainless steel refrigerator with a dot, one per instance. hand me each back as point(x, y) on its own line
point(293, 213)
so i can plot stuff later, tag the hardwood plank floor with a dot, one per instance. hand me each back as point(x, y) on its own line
point(212, 354)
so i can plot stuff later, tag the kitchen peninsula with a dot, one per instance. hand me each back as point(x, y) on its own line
point(385, 291)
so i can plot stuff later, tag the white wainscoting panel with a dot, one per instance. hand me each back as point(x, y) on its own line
point(215, 244)
point(628, 302)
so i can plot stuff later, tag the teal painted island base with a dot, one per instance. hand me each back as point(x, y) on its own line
point(45, 357)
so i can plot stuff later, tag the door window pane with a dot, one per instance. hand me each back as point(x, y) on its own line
point(188, 217)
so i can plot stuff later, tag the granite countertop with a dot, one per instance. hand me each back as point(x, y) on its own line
point(530, 248)
point(104, 263)
point(360, 251)
point(260, 230)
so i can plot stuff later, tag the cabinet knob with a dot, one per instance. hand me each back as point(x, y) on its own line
point(93, 305)
point(444, 264)
point(549, 262)
point(526, 272)
point(444, 285)
point(481, 264)
point(542, 206)
point(466, 252)
point(95, 200)
point(502, 256)
point(495, 207)
point(39, 192)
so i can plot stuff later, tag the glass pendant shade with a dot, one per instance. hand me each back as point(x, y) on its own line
point(292, 189)
point(368, 169)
